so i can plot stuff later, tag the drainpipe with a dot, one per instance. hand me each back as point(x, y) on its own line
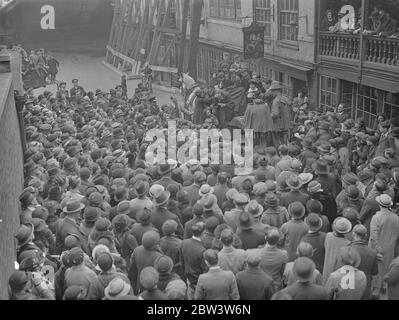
point(316, 51)
point(362, 42)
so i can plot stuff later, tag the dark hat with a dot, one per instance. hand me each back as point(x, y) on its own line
point(352, 192)
point(24, 234)
point(198, 209)
point(296, 210)
point(72, 241)
point(73, 206)
point(141, 187)
point(149, 278)
point(209, 203)
point(163, 264)
point(164, 169)
point(18, 280)
point(41, 213)
point(320, 167)
point(254, 208)
point(314, 206)
point(162, 198)
point(95, 198)
point(105, 261)
point(350, 178)
point(365, 175)
point(314, 222)
point(351, 214)
point(271, 200)
point(75, 292)
point(91, 214)
point(211, 223)
point(245, 221)
point(102, 224)
point(30, 260)
point(39, 224)
point(121, 222)
point(169, 227)
point(76, 256)
point(304, 269)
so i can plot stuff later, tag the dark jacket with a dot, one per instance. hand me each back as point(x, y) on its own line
point(254, 284)
point(392, 278)
point(64, 228)
point(101, 282)
point(293, 196)
point(160, 215)
point(192, 259)
point(316, 239)
point(368, 263)
point(251, 238)
point(170, 246)
point(329, 204)
point(306, 291)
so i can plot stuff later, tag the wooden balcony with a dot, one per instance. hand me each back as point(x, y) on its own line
point(384, 51)
point(339, 56)
point(338, 45)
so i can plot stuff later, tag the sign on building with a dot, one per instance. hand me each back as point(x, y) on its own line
point(254, 41)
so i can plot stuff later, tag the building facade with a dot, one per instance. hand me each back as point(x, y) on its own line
point(289, 39)
point(361, 71)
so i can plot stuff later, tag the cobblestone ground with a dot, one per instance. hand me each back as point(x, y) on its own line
point(92, 75)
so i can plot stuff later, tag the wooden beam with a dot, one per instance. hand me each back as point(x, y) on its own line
point(163, 69)
point(186, 7)
point(194, 37)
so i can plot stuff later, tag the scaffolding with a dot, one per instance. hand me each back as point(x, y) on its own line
point(149, 31)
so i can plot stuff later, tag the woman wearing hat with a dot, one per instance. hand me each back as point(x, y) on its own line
point(275, 215)
point(334, 242)
point(348, 263)
point(384, 234)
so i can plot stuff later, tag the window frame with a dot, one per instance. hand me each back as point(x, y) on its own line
point(283, 11)
point(328, 92)
point(266, 12)
point(222, 5)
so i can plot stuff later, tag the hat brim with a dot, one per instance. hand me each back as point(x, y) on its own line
point(124, 292)
point(315, 228)
point(81, 207)
point(25, 241)
point(163, 202)
point(295, 187)
point(211, 190)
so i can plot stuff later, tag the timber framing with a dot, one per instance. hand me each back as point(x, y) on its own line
point(148, 31)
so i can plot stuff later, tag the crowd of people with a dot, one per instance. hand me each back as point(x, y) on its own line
point(315, 219)
point(380, 23)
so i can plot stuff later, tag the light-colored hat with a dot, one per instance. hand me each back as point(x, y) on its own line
point(384, 201)
point(116, 289)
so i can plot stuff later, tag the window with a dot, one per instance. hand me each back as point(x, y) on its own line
point(288, 16)
point(328, 93)
point(348, 97)
point(263, 15)
point(367, 105)
point(391, 105)
point(230, 9)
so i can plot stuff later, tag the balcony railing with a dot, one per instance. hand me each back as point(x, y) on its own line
point(382, 50)
point(347, 46)
point(339, 45)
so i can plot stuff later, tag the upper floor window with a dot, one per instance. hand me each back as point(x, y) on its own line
point(263, 15)
point(288, 20)
point(230, 9)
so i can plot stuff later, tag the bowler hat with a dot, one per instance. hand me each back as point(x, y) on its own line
point(296, 210)
point(141, 188)
point(169, 227)
point(75, 292)
point(18, 280)
point(241, 199)
point(121, 222)
point(24, 234)
point(156, 190)
point(117, 289)
point(384, 201)
point(350, 178)
point(164, 169)
point(163, 264)
point(102, 224)
point(254, 208)
point(314, 222)
point(162, 198)
point(342, 225)
point(73, 206)
point(245, 221)
point(205, 189)
point(149, 278)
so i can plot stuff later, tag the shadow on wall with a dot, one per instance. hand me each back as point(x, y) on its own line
point(11, 179)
